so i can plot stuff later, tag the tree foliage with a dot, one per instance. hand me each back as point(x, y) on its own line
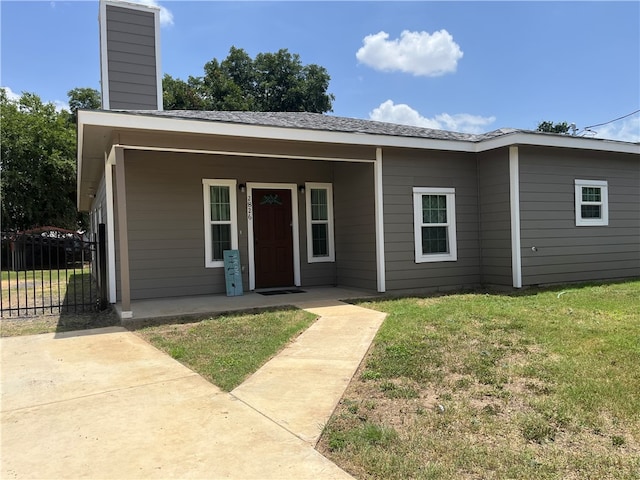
point(272, 82)
point(550, 127)
point(38, 167)
point(85, 98)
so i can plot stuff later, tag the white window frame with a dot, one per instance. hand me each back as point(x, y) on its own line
point(233, 200)
point(449, 193)
point(331, 255)
point(603, 203)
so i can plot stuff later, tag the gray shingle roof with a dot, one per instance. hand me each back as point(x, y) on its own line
point(318, 121)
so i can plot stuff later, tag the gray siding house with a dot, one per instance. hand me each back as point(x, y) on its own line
point(311, 200)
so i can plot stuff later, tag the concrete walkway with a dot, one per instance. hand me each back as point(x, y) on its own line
point(105, 404)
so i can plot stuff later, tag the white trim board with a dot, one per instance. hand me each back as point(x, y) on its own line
point(110, 223)
point(379, 218)
point(104, 63)
point(514, 202)
point(138, 121)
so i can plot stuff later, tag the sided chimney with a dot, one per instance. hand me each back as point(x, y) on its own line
point(130, 71)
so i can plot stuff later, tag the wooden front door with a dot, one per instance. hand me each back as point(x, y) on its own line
point(272, 238)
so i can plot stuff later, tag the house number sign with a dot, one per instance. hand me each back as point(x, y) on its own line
point(233, 273)
point(249, 208)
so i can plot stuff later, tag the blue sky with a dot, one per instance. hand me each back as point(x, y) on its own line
point(463, 66)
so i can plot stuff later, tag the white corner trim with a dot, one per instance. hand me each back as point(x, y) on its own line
point(295, 229)
point(104, 63)
point(514, 201)
point(379, 218)
point(156, 18)
point(110, 222)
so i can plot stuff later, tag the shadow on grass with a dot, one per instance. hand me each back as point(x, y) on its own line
point(496, 290)
point(81, 308)
point(133, 325)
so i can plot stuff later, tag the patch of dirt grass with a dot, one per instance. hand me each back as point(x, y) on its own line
point(533, 386)
point(65, 322)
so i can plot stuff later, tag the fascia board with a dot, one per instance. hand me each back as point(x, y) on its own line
point(120, 120)
point(580, 143)
point(181, 125)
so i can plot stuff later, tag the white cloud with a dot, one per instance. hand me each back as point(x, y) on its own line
point(60, 105)
point(11, 95)
point(627, 130)
point(405, 115)
point(166, 17)
point(418, 53)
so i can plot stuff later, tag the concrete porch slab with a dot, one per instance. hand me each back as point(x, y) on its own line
point(158, 308)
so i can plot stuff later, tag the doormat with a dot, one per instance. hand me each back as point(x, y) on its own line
point(282, 292)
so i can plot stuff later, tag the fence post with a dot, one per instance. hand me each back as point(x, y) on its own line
point(102, 266)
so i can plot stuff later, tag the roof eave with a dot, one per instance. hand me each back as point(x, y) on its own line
point(559, 141)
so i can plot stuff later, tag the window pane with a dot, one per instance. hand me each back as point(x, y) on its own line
point(434, 240)
point(591, 211)
point(319, 204)
point(320, 240)
point(220, 240)
point(220, 204)
point(434, 209)
point(591, 194)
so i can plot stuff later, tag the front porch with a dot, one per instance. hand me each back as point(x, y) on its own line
point(198, 305)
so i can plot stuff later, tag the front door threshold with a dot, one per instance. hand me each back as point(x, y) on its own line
point(278, 291)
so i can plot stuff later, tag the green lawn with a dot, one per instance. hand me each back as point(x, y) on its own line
point(41, 288)
point(227, 349)
point(38, 293)
point(540, 384)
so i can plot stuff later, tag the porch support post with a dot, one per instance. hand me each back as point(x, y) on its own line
point(123, 234)
point(379, 216)
point(514, 200)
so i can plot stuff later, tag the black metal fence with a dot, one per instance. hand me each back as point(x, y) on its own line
point(51, 270)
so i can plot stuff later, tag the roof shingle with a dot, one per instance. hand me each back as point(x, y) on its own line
point(318, 121)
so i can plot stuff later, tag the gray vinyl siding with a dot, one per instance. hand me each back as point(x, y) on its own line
point(565, 252)
point(131, 58)
point(355, 234)
point(165, 219)
point(495, 217)
point(405, 169)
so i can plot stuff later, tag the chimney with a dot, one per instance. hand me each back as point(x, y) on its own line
point(130, 71)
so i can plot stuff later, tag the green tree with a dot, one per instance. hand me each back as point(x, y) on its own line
point(85, 98)
point(272, 82)
point(550, 127)
point(38, 167)
point(180, 95)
